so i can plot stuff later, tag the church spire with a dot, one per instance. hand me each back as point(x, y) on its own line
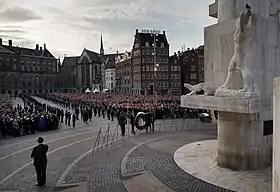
point(101, 46)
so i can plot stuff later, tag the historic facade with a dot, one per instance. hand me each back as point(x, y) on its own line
point(69, 74)
point(175, 74)
point(150, 63)
point(192, 67)
point(87, 71)
point(110, 79)
point(27, 70)
point(89, 74)
point(124, 73)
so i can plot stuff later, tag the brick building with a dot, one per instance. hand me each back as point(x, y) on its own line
point(27, 70)
point(124, 73)
point(149, 69)
point(192, 67)
point(175, 74)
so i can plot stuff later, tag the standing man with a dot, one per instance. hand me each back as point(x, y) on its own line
point(74, 120)
point(122, 122)
point(39, 154)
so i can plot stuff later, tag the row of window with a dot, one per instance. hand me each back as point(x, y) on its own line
point(49, 63)
point(162, 52)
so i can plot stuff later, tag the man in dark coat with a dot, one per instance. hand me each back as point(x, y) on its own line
point(122, 122)
point(39, 154)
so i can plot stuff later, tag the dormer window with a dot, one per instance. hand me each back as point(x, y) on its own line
point(161, 44)
point(147, 44)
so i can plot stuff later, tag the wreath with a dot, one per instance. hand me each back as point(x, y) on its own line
point(141, 121)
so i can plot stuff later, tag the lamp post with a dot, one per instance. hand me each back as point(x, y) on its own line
point(75, 81)
point(155, 67)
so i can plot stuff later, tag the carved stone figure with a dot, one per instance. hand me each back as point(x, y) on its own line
point(242, 46)
point(274, 7)
point(199, 87)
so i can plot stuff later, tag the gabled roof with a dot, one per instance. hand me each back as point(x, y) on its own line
point(147, 37)
point(5, 50)
point(70, 61)
point(29, 52)
point(95, 57)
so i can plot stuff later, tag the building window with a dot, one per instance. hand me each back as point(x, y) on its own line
point(192, 67)
point(161, 44)
point(193, 76)
point(14, 66)
point(147, 44)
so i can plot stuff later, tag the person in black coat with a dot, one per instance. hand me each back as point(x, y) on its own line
point(39, 154)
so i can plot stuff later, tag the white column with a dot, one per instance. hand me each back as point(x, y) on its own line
point(276, 134)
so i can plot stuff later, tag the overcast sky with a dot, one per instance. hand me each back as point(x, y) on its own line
point(68, 26)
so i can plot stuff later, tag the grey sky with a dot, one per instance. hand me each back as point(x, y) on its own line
point(68, 26)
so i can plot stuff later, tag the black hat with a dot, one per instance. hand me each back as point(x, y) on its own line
point(248, 6)
point(40, 140)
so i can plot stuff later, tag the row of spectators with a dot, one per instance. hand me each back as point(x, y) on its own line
point(110, 104)
point(27, 119)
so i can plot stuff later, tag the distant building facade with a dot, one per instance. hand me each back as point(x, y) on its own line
point(150, 68)
point(192, 67)
point(87, 71)
point(124, 73)
point(24, 70)
point(89, 74)
point(110, 76)
point(175, 74)
point(69, 74)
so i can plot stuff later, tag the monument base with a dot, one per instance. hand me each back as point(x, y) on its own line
point(241, 142)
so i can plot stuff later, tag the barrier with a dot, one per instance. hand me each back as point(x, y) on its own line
point(109, 135)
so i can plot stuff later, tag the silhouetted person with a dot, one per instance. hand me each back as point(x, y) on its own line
point(39, 154)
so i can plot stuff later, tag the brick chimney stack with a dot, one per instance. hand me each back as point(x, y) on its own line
point(37, 47)
point(1, 41)
point(10, 43)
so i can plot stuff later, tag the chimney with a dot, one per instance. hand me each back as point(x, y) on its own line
point(37, 47)
point(163, 32)
point(10, 42)
point(136, 31)
point(179, 52)
point(1, 41)
point(41, 49)
point(175, 53)
point(188, 48)
point(45, 46)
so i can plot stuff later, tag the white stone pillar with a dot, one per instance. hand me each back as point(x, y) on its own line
point(241, 143)
point(276, 134)
point(226, 10)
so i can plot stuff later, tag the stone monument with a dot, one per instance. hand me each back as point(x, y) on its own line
point(242, 56)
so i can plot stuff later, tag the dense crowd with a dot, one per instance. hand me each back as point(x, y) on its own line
point(117, 105)
point(27, 119)
point(107, 102)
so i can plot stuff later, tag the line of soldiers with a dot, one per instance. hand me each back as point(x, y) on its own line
point(63, 116)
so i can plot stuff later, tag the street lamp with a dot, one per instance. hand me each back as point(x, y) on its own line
point(155, 65)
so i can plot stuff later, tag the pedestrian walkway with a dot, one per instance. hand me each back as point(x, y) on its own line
point(141, 163)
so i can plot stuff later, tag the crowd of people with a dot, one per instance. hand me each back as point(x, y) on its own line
point(117, 105)
point(164, 105)
point(25, 119)
point(34, 116)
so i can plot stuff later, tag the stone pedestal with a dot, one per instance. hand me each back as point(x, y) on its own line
point(241, 142)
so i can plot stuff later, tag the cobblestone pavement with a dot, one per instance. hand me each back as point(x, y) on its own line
point(102, 170)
